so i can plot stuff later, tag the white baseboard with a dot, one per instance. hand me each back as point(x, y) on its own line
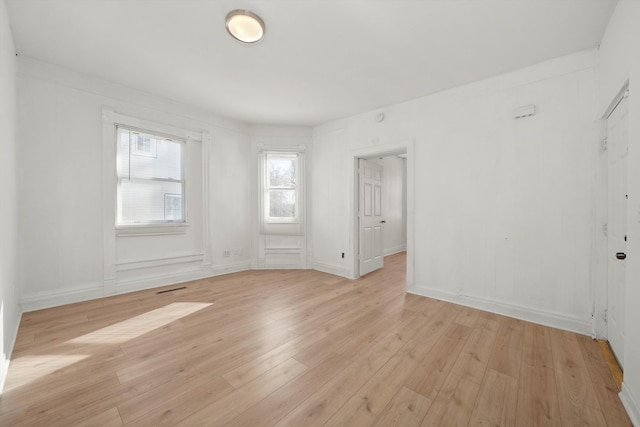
point(529, 314)
point(631, 404)
point(93, 291)
point(230, 268)
point(5, 362)
point(332, 269)
point(395, 250)
point(44, 300)
point(280, 267)
point(154, 281)
point(4, 369)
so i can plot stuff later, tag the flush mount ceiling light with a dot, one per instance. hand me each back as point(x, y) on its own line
point(245, 26)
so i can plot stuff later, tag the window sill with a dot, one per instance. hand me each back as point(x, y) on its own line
point(151, 229)
point(282, 221)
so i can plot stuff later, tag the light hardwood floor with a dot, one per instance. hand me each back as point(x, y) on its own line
point(300, 348)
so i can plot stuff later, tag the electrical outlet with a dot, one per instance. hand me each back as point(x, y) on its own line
point(226, 253)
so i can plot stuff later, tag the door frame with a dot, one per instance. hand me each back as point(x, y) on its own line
point(601, 251)
point(383, 150)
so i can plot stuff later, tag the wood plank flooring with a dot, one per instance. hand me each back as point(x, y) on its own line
point(300, 348)
point(612, 362)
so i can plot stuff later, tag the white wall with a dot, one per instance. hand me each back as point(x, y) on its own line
point(502, 207)
point(63, 257)
point(330, 195)
point(619, 61)
point(9, 312)
point(280, 245)
point(394, 203)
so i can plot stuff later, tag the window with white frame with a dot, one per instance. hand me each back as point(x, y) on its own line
point(281, 192)
point(150, 170)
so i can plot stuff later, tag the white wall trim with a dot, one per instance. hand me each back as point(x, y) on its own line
point(282, 251)
point(158, 280)
point(33, 68)
point(272, 229)
point(332, 269)
point(109, 118)
point(599, 250)
point(528, 314)
point(95, 291)
point(167, 229)
point(631, 404)
point(622, 93)
point(206, 221)
point(395, 250)
point(281, 262)
point(265, 147)
point(42, 300)
point(160, 262)
point(567, 64)
point(280, 266)
point(150, 125)
point(237, 267)
point(4, 363)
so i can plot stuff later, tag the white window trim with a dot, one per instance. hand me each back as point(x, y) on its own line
point(151, 229)
point(299, 151)
point(109, 181)
point(266, 188)
point(110, 121)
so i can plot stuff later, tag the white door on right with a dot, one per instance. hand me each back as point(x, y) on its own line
point(371, 253)
point(617, 148)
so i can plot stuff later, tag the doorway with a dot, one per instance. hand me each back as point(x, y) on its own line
point(617, 154)
point(395, 153)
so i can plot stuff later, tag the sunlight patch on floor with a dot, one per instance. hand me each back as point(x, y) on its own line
point(140, 325)
point(27, 369)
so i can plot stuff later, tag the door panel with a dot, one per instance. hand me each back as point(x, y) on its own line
point(367, 199)
point(367, 243)
point(370, 216)
point(377, 240)
point(617, 147)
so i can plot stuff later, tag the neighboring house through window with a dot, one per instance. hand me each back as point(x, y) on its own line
point(150, 170)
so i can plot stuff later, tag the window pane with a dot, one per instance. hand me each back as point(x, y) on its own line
point(282, 203)
point(173, 207)
point(282, 172)
point(142, 155)
point(150, 186)
point(122, 158)
point(142, 201)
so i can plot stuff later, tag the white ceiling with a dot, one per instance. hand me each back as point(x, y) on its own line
point(320, 59)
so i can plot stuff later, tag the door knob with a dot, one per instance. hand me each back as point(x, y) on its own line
point(383, 221)
point(621, 255)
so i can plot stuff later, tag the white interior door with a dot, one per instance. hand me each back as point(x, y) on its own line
point(371, 254)
point(617, 148)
